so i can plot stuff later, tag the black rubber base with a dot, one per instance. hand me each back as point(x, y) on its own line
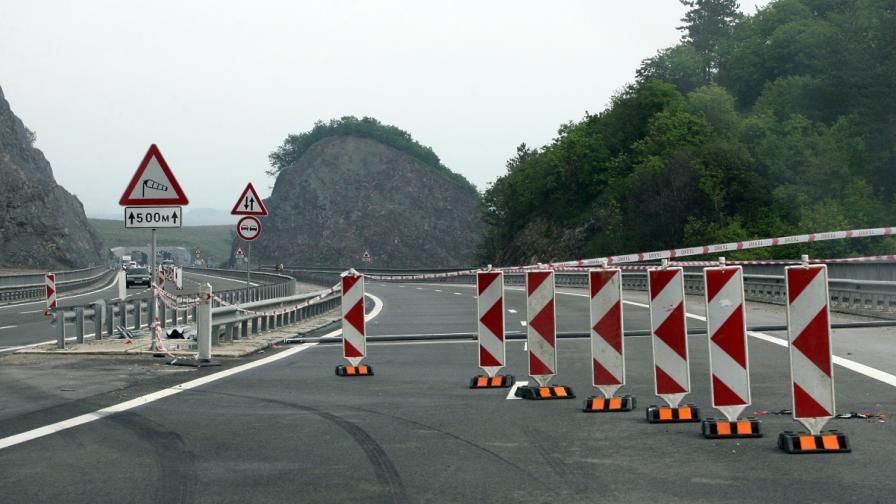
point(802, 442)
point(682, 414)
point(362, 370)
point(485, 382)
point(599, 404)
point(545, 393)
point(191, 362)
point(723, 429)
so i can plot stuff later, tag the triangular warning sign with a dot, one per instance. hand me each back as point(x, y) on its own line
point(239, 252)
point(153, 184)
point(249, 203)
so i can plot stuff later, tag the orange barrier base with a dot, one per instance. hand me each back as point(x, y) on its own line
point(354, 371)
point(599, 404)
point(499, 381)
point(723, 429)
point(803, 442)
point(681, 414)
point(544, 393)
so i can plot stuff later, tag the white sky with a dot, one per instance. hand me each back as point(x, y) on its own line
point(219, 84)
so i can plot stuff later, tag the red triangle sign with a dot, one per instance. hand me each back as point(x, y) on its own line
point(153, 183)
point(239, 252)
point(249, 203)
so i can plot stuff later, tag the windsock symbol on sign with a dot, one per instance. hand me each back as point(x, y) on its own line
point(490, 311)
point(50, 285)
point(672, 378)
point(354, 334)
point(607, 353)
point(726, 326)
point(542, 326)
point(809, 332)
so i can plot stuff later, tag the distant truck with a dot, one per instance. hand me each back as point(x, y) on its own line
point(125, 261)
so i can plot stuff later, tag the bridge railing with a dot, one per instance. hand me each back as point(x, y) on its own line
point(14, 289)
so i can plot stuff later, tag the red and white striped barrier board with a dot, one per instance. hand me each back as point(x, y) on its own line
point(809, 332)
point(726, 325)
point(607, 346)
point(542, 326)
point(669, 334)
point(354, 335)
point(490, 310)
point(50, 285)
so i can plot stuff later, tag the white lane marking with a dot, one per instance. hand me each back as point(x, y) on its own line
point(862, 369)
point(161, 394)
point(511, 310)
point(458, 294)
point(32, 311)
point(512, 394)
point(419, 288)
point(438, 290)
point(523, 323)
point(7, 327)
point(235, 280)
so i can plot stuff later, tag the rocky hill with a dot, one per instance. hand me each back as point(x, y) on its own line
point(42, 224)
point(345, 194)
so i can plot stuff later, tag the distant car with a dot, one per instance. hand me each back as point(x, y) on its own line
point(137, 276)
point(130, 264)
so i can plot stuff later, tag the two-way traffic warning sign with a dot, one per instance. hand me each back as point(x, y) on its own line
point(249, 203)
point(153, 184)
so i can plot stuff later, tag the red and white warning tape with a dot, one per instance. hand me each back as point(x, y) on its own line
point(675, 253)
point(319, 295)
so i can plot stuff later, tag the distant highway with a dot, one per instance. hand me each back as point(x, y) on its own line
point(26, 324)
point(283, 428)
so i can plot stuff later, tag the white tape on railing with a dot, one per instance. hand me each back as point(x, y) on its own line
point(671, 254)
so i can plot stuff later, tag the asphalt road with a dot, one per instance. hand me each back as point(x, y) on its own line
point(291, 431)
point(26, 324)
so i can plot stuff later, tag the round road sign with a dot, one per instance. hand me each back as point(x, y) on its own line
point(248, 228)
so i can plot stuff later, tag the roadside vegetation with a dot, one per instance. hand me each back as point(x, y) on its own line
point(770, 124)
point(213, 241)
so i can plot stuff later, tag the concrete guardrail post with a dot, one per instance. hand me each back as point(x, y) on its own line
point(79, 324)
point(60, 328)
point(204, 323)
point(99, 318)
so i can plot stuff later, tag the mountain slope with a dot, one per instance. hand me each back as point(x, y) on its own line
point(42, 224)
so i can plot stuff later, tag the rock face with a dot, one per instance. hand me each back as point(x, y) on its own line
point(41, 224)
point(349, 194)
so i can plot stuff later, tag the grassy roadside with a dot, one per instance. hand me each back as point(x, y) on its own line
point(212, 240)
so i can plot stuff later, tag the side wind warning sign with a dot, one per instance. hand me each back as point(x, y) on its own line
point(153, 184)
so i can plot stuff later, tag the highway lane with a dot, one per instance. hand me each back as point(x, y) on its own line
point(291, 431)
point(25, 323)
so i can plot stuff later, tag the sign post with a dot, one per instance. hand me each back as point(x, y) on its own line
point(153, 199)
point(249, 205)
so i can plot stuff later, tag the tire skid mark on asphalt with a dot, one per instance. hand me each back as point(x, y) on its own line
point(383, 468)
point(176, 465)
point(572, 483)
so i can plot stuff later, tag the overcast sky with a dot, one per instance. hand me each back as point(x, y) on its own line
point(219, 84)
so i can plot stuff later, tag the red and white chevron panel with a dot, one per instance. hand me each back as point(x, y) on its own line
point(50, 285)
point(542, 326)
point(672, 377)
point(607, 347)
point(727, 329)
point(809, 331)
point(490, 313)
point(354, 334)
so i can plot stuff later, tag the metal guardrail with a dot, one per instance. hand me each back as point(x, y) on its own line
point(37, 291)
point(26, 279)
point(231, 323)
point(274, 286)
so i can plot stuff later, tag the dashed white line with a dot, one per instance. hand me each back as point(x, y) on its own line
point(438, 290)
point(523, 323)
point(7, 327)
point(511, 310)
point(458, 294)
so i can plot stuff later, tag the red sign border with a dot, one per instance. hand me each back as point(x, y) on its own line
point(257, 221)
point(262, 210)
point(180, 199)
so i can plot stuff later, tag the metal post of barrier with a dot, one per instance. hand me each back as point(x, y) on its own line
point(79, 324)
point(162, 313)
point(244, 329)
point(60, 328)
point(255, 325)
point(138, 306)
point(99, 317)
point(204, 323)
point(235, 332)
point(110, 320)
point(123, 313)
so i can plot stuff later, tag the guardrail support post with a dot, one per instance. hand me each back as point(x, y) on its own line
point(60, 328)
point(110, 320)
point(99, 318)
point(123, 313)
point(244, 329)
point(79, 324)
point(138, 306)
point(204, 323)
point(162, 313)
